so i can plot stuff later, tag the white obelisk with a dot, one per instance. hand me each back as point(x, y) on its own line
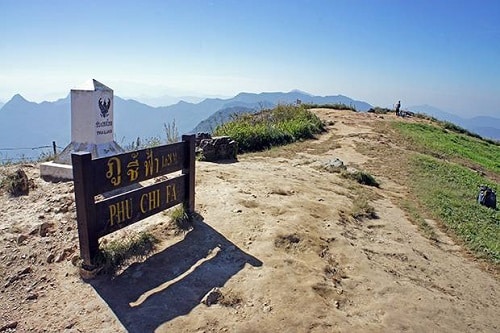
point(92, 127)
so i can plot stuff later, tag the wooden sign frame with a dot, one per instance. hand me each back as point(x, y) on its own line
point(123, 172)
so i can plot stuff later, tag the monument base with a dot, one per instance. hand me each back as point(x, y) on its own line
point(97, 150)
point(52, 171)
point(61, 168)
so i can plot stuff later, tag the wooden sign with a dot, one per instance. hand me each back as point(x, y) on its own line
point(123, 172)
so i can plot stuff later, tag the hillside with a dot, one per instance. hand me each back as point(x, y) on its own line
point(292, 246)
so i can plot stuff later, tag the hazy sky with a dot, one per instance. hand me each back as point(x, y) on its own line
point(437, 52)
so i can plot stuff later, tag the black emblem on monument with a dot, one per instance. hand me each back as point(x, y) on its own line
point(104, 106)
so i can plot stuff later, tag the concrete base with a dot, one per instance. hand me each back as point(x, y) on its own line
point(97, 150)
point(54, 171)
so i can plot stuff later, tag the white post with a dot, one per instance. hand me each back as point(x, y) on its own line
point(92, 125)
point(92, 128)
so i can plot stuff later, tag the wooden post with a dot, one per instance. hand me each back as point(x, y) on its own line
point(85, 207)
point(189, 169)
point(54, 148)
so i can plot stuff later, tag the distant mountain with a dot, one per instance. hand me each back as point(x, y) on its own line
point(251, 103)
point(28, 125)
point(488, 127)
point(294, 95)
point(166, 100)
point(220, 117)
point(25, 124)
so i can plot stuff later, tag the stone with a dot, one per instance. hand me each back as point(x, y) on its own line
point(212, 297)
point(9, 326)
point(21, 238)
point(218, 148)
point(44, 228)
point(31, 296)
point(334, 165)
point(50, 258)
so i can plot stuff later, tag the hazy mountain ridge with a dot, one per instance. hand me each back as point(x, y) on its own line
point(25, 124)
point(486, 126)
point(251, 103)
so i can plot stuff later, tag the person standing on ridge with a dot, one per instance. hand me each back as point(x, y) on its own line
point(398, 105)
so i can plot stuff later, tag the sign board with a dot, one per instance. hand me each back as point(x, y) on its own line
point(102, 175)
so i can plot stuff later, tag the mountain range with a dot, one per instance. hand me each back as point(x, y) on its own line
point(25, 126)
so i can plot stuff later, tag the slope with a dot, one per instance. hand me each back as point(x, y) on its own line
point(286, 241)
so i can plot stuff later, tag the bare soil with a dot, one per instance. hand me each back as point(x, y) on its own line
point(275, 233)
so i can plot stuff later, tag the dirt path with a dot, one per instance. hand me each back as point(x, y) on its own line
point(276, 234)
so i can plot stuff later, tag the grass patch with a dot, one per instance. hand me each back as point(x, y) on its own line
point(361, 209)
point(282, 125)
point(181, 220)
point(334, 106)
point(114, 254)
point(437, 141)
point(449, 192)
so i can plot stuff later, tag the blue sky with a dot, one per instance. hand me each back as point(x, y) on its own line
point(442, 53)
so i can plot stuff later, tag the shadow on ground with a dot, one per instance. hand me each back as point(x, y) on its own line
point(172, 282)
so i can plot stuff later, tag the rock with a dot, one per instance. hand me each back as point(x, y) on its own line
point(75, 260)
point(21, 238)
point(9, 326)
point(50, 258)
point(212, 297)
point(25, 271)
point(44, 228)
point(334, 165)
point(267, 307)
point(32, 296)
point(218, 148)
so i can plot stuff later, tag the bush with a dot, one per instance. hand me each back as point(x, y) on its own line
point(282, 125)
point(335, 106)
point(16, 183)
point(116, 253)
point(379, 110)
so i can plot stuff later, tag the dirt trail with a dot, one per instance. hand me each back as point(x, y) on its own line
point(276, 234)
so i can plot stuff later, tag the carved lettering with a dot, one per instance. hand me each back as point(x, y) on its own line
point(120, 212)
point(171, 193)
point(114, 171)
point(151, 164)
point(133, 168)
point(150, 201)
point(168, 160)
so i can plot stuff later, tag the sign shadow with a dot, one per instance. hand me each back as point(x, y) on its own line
point(173, 282)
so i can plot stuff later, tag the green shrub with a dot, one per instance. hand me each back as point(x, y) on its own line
point(181, 219)
point(16, 183)
point(114, 254)
point(379, 110)
point(335, 106)
point(282, 125)
point(362, 209)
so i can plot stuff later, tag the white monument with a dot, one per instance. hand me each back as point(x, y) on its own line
point(91, 128)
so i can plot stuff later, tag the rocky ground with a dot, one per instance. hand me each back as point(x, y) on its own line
point(291, 247)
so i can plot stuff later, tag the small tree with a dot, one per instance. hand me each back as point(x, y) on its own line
point(171, 132)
